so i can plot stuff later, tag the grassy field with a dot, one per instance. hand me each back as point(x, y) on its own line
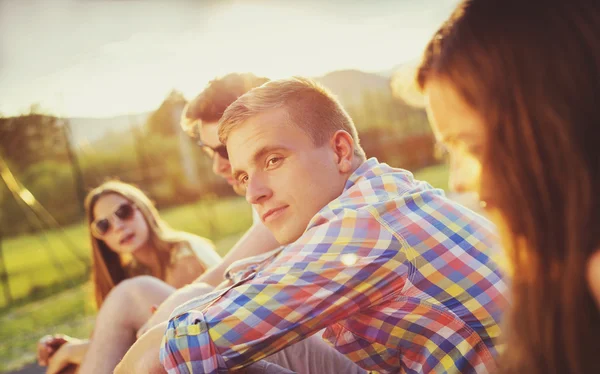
point(70, 311)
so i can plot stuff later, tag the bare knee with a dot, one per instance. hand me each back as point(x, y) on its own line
point(130, 301)
point(141, 288)
point(142, 283)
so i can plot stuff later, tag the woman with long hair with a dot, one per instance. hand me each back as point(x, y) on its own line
point(129, 239)
point(513, 93)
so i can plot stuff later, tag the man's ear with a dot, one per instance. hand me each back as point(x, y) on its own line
point(343, 147)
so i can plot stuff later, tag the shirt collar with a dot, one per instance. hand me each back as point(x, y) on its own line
point(365, 170)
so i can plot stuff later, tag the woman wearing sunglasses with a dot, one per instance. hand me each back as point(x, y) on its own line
point(512, 90)
point(129, 239)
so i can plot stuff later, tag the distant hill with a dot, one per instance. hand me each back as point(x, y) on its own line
point(348, 85)
point(390, 72)
point(90, 130)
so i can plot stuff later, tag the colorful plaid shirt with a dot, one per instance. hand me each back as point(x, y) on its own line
point(400, 277)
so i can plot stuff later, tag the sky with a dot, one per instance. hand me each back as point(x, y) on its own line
point(93, 58)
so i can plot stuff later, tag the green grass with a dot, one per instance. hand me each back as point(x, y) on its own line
point(436, 175)
point(70, 311)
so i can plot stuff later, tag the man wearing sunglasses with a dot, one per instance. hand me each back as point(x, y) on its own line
point(200, 119)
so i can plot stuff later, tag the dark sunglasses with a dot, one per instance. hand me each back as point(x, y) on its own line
point(221, 150)
point(100, 227)
point(210, 151)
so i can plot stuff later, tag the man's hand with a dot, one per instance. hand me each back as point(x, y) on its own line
point(179, 297)
point(143, 356)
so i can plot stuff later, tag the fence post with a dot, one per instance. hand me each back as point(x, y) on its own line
point(4, 275)
point(75, 167)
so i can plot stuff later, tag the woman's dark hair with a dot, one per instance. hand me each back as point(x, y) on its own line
point(531, 70)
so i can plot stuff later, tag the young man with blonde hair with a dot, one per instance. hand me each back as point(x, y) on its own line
point(399, 276)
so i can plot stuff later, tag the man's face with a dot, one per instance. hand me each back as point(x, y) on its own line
point(221, 166)
point(286, 177)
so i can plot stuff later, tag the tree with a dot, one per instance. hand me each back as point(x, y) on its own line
point(32, 137)
point(165, 120)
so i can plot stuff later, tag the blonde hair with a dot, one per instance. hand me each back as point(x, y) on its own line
point(309, 106)
point(108, 267)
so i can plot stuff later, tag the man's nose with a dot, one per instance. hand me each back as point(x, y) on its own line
point(257, 189)
point(220, 166)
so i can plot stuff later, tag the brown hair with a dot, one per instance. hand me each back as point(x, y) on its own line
point(532, 71)
point(219, 93)
point(310, 106)
point(108, 267)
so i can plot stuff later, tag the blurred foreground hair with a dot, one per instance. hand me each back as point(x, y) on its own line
point(532, 72)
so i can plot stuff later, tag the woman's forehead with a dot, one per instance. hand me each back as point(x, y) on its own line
point(450, 115)
point(108, 201)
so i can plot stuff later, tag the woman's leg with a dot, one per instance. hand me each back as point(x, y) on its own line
point(125, 310)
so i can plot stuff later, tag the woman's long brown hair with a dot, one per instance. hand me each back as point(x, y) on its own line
point(108, 267)
point(532, 71)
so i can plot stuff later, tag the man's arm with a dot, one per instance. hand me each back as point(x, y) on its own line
point(333, 271)
point(257, 240)
point(143, 358)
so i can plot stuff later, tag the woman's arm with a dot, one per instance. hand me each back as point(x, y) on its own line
point(59, 351)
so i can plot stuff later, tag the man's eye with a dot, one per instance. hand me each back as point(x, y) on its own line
point(273, 161)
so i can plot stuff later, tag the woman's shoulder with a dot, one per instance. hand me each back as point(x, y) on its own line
point(195, 246)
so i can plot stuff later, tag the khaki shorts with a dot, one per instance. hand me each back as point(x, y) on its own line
point(310, 356)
